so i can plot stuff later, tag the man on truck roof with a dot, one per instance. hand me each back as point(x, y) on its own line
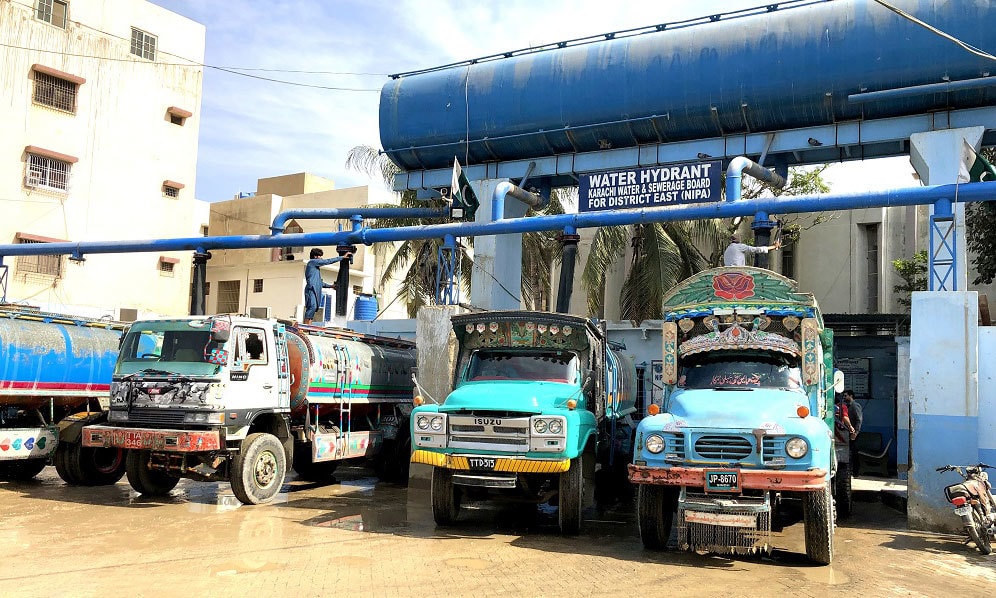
point(313, 283)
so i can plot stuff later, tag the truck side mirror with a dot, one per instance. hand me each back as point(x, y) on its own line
point(838, 381)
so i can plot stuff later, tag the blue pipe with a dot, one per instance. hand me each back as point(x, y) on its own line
point(920, 90)
point(740, 166)
point(280, 221)
point(506, 188)
point(966, 193)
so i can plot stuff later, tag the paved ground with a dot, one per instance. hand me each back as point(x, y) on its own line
point(358, 537)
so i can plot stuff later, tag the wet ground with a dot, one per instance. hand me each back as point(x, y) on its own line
point(372, 539)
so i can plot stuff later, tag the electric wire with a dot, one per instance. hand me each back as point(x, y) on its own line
point(965, 46)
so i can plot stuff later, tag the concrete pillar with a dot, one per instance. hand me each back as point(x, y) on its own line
point(987, 397)
point(936, 157)
point(437, 349)
point(497, 279)
point(903, 406)
point(944, 400)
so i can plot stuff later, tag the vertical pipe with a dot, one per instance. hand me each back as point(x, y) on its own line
point(569, 239)
point(198, 303)
point(762, 237)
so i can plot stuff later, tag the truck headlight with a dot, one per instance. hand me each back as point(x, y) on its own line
point(203, 417)
point(796, 447)
point(436, 424)
point(117, 416)
point(556, 426)
point(540, 426)
point(422, 422)
point(655, 444)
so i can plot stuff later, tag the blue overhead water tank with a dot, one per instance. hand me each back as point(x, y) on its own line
point(788, 68)
point(365, 307)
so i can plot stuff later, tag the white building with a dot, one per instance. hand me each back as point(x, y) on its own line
point(99, 117)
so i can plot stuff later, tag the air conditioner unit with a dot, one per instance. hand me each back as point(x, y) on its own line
point(34, 179)
point(259, 312)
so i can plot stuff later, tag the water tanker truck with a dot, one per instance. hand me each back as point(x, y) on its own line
point(540, 401)
point(230, 398)
point(55, 371)
point(747, 416)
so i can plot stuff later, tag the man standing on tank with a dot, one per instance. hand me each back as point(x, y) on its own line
point(313, 283)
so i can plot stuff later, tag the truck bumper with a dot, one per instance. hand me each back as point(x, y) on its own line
point(174, 441)
point(502, 464)
point(755, 479)
point(28, 443)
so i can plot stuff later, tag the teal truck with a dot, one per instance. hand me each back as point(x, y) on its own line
point(540, 402)
point(746, 419)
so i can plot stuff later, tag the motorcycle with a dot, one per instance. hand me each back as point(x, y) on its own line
point(974, 503)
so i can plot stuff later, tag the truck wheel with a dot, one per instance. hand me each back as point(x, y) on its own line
point(571, 493)
point(656, 506)
point(67, 463)
point(258, 470)
point(101, 466)
point(307, 470)
point(979, 534)
point(445, 496)
point(394, 460)
point(842, 493)
point(145, 480)
point(818, 506)
point(19, 471)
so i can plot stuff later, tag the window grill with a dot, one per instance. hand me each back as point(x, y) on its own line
point(165, 267)
point(52, 11)
point(55, 92)
point(143, 44)
point(257, 285)
point(47, 172)
point(48, 265)
point(170, 191)
point(228, 296)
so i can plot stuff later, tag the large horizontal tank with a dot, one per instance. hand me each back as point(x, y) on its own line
point(788, 68)
point(48, 356)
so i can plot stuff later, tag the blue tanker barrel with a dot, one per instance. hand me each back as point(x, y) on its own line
point(366, 307)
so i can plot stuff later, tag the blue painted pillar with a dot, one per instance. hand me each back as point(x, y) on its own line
point(496, 281)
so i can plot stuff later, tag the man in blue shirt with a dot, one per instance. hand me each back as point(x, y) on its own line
point(313, 283)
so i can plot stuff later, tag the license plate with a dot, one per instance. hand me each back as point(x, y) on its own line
point(481, 463)
point(962, 511)
point(722, 480)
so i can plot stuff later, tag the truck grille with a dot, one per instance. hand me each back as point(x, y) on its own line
point(674, 444)
point(508, 434)
point(774, 448)
point(723, 448)
point(156, 417)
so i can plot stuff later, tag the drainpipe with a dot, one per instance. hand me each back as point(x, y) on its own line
point(198, 302)
point(342, 285)
point(504, 188)
point(569, 239)
point(280, 221)
point(740, 166)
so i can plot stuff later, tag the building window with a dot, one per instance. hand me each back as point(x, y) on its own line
point(788, 261)
point(47, 173)
point(204, 230)
point(47, 265)
point(52, 11)
point(166, 265)
point(207, 288)
point(257, 285)
point(357, 289)
point(143, 44)
point(871, 266)
point(55, 92)
point(171, 192)
point(228, 296)
point(178, 116)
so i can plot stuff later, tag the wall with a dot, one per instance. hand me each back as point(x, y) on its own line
point(987, 397)
point(126, 147)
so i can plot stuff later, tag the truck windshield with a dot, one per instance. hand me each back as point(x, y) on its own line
point(174, 347)
point(548, 366)
point(726, 370)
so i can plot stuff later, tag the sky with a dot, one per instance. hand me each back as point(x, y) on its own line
point(251, 129)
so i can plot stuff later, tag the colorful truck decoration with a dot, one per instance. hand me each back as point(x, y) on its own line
point(55, 372)
point(539, 402)
point(229, 398)
point(747, 416)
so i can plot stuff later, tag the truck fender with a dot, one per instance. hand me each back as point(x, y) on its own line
point(71, 426)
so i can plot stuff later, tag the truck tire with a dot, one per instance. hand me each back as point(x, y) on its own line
point(979, 533)
point(67, 463)
point(307, 470)
point(101, 466)
point(656, 506)
point(842, 492)
point(144, 480)
point(392, 464)
point(571, 499)
point(445, 496)
point(819, 517)
point(23, 470)
point(258, 470)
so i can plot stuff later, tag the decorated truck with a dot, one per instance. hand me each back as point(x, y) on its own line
point(237, 399)
point(55, 371)
point(540, 402)
point(746, 419)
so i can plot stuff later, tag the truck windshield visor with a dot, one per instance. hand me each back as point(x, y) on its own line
point(733, 371)
point(545, 366)
point(177, 347)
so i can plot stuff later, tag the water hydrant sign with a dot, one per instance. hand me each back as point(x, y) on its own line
point(652, 187)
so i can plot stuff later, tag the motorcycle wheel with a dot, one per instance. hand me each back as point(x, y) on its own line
point(980, 533)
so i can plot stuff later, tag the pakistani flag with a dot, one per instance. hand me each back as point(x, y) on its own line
point(974, 168)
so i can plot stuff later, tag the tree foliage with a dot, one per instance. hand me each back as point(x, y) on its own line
point(913, 271)
point(980, 225)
